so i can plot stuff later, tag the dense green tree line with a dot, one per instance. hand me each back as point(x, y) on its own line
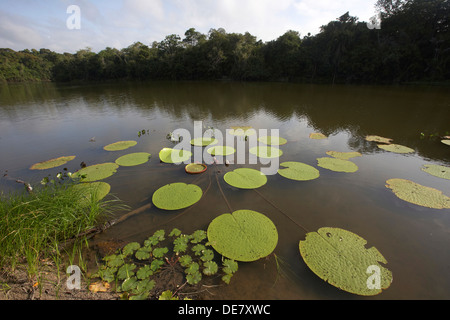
point(413, 44)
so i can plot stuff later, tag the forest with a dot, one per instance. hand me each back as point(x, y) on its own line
point(412, 44)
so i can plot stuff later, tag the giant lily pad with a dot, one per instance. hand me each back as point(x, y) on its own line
point(242, 131)
point(176, 196)
point(52, 163)
point(169, 155)
point(417, 194)
point(96, 172)
point(244, 235)
point(203, 142)
point(437, 171)
point(337, 165)
point(447, 142)
point(378, 139)
point(317, 136)
point(120, 145)
point(133, 159)
point(221, 150)
point(395, 148)
point(343, 155)
point(274, 141)
point(340, 257)
point(96, 190)
point(245, 178)
point(266, 152)
point(298, 171)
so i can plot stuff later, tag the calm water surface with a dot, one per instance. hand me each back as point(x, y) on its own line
point(43, 121)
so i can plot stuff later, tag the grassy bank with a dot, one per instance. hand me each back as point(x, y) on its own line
point(34, 225)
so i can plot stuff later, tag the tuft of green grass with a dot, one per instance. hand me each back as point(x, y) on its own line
point(32, 225)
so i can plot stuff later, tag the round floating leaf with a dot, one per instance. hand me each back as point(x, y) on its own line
point(438, 171)
point(169, 155)
point(176, 196)
point(244, 235)
point(317, 136)
point(203, 142)
point(298, 171)
point(337, 165)
point(395, 148)
point(96, 172)
point(195, 168)
point(242, 131)
point(266, 152)
point(133, 159)
point(245, 178)
point(275, 141)
point(340, 257)
point(447, 142)
point(120, 145)
point(96, 190)
point(221, 150)
point(52, 163)
point(343, 155)
point(417, 194)
point(378, 139)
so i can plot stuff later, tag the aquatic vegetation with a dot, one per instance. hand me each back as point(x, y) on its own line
point(340, 257)
point(343, 155)
point(274, 141)
point(203, 142)
point(395, 148)
point(378, 139)
point(96, 190)
point(317, 136)
point(417, 194)
point(135, 268)
point(337, 165)
point(447, 142)
point(437, 171)
point(242, 131)
point(120, 145)
point(52, 163)
point(195, 168)
point(245, 178)
point(221, 150)
point(243, 235)
point(133, 159)
point(96, 172)
point(175, 196)
point(266, 152)
point(169, 155)
point(298, 171)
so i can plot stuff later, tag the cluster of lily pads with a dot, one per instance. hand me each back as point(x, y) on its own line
point(335, 255)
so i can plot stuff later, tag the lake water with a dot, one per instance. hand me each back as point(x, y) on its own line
point(43, 121)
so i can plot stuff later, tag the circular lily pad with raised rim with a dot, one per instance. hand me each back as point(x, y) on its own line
point(195, 168)
point(52, 163)
point(133, 159)
point(120, 145)
point(175, 196)
point(298, 171)
point(245, 178)
point(244, 235)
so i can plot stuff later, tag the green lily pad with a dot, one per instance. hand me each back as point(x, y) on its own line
point(340, 257)
point(343, 155)
point(203, 142)
point(266, 152)
point(274, 141)
point(176, 196)
point(395, 148)
point(298, 171)
point(52, 163)
point(195, 168)
point(221, 150)
point(244, 235)
point(120, 145)
point(97, 190)
point(245, 178)
point(417, 194)
point(337, 165)
point(378, 139)
point(437, 171)
point(317, 136)
point(169, 155)
point(96, 172)
point(447, 142)
point(242, 131)
point(133, 159)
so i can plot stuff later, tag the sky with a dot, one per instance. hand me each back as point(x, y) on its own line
point(36, 24)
